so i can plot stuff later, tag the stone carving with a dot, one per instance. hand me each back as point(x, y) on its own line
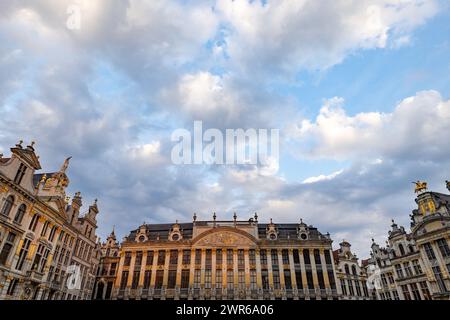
point(225, 238)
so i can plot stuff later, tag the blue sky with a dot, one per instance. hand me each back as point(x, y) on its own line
point(358, 89)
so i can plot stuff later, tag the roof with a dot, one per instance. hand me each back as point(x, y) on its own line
point(285, 231)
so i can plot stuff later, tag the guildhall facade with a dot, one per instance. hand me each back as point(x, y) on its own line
point(215, 259)
point(45, 242)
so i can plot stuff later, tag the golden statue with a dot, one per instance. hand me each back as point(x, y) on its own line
point(420, 186)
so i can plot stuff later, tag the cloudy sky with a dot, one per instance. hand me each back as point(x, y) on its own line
point(359, 90)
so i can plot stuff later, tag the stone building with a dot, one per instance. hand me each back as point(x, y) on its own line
point(48, 250)
point(221, 260)
point(416, 265)
point(351, 277)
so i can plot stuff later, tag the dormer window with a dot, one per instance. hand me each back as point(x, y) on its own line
point(20, 173)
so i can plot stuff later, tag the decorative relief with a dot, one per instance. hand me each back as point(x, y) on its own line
point(225, 238)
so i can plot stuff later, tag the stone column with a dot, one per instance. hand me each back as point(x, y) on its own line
point(166, 269)
point(303, 271)
point(131, 269)
point(258, 269)
point(179, 265)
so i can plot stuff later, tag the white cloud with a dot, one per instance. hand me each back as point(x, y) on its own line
point(416, 121)
point(287, 36)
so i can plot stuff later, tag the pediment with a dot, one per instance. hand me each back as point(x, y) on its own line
point(225, 238)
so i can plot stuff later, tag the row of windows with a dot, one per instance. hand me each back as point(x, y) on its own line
point(443, 248)
point(349, 286)
point(230, 280)
point(405, 270)
point(186, 257)
point(7, 207)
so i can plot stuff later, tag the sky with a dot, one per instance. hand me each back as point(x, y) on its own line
point(358, 89)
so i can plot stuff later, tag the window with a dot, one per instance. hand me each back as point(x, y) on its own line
point(241, 279)
point(172, 279)
point(298, 279)
point(186, 256)
point(343, 287)
point(208, 279)
point(252, 257)
point(12, 287)
point(20, 173)
point(405, 291)
point(138, 260)
point(347, 270)
point(173, 258)
point(317, 257)
point(383, 280)
point(230, 280)
point(208, 258)
point(398, 269)
point(52, 233)
point(354, 270)
point(40, 259)
point(161, 257)
point(358, 288)
point(124, 280)
point(185, 278)
point(306, 256)
point(147, 278)
point(274, 256)
point(401, 249)
point(8, 206)
point(23, 253)
point(439, 279)
point(309, 279)
point(425, 291)
point(443, 247)
point(20, 213)
point(219, 256)
point(112, 269)
point(429, 251)
point(351, 288)
point(44, 229)
point(219, 279)
point(331, 279)
point(241, 260)
point(159, 279)
point(320, 279)
point(407, 268)
point(197, 279)
point(34, 222)
point(327, 257)
point(229, 257)
point(135, 282)
point(198, 256)
point(285, 256)
point(390, 277)
point(296, 256)
point(4, 254)
point(263, 256)
point(253, 283)
point(127, 260)
point(415, 291)
point(395, 295)
point(149, 258)
point(276, 279)
point(265, 279)
point(287, 279)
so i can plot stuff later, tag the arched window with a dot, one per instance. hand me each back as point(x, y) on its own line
point(20, 213)
point(8, 206)
point(347, 270)
point(402, 250)
point(354, 270)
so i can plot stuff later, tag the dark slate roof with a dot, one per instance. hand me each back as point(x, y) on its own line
point(285, 231)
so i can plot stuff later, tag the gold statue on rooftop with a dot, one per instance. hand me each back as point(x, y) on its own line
point(420, 186)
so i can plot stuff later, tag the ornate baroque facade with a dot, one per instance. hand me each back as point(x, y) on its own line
point(219, 260)
point(44, 241)
point(416, 265)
